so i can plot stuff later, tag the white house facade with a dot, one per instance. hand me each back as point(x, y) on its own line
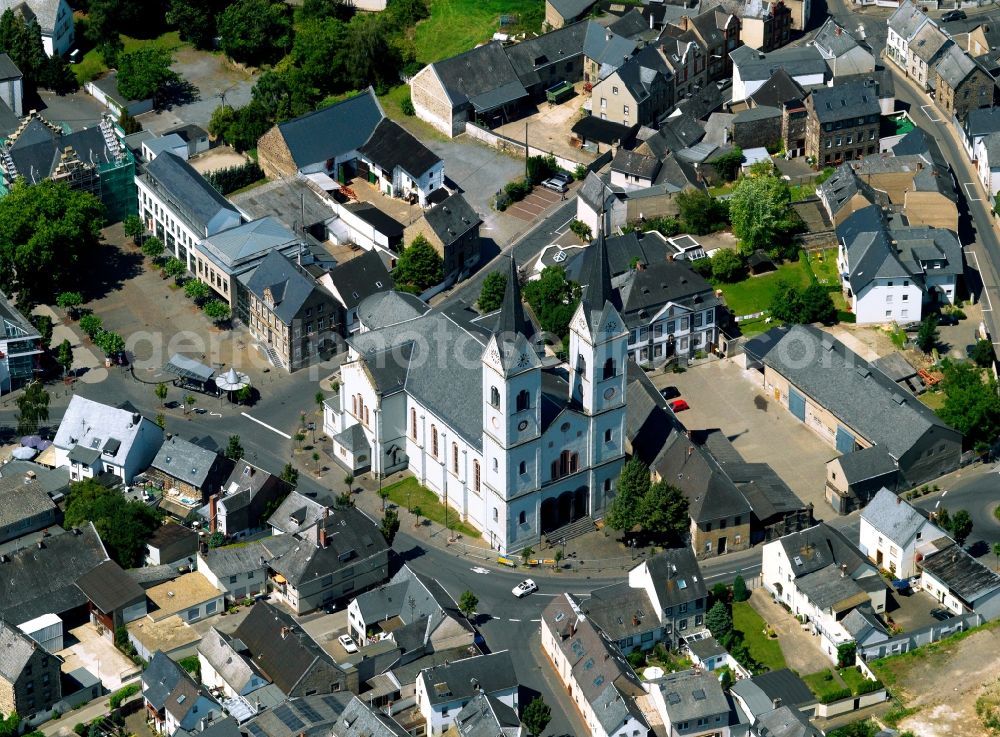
point(891, 529)
point(987, 159)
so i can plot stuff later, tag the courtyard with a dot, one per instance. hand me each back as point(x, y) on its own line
point(549, 128)
point(723, 395)
point(96, 653)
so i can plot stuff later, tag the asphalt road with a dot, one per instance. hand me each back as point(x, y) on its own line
point(976, 494)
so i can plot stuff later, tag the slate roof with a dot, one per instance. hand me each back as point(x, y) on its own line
point(829, 589)
point(965, 577)
point(44, 11)
point(381, 221)
point(230, 561)
point(894, 517)
point(289, 285)
point(569, 9)
point(360, 278)
point(643, 292)
point(621, 611)
point(160, 678)
point(639, 73)
point(844, 100)
point(353, 439)
point(485, 716)
point(606, 48)
point(457, 680)
point(594, 128)
point(359, 720)
point(840, 381)
point(452, 218)
point(389, 308)
point(819, 547)
point(635, 164)
point(676, 577)
point(797, 60)
point(553, 48)
point(332, 131)
point(185, 461)
point(296, 513)
point(479, 72)
point(236, 246)
point(391, 145)
point(109, 587)
point(38, 581)
point(786, 721)
point(861, 621)
point(408, 595)
point(981, 121)
point(21, 501)
point(16, 649)
point(8, 69)
point(187, 191)
point(284, 660)
point(954, 66)
point(692, 694)
point(779, 89)
point(927, 42)
point(833, 39)
point(784, 684)
point(603, 676)
point(867, 463)
point(906, 20)
point(223, 653)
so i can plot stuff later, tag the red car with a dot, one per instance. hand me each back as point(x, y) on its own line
point(678, 405)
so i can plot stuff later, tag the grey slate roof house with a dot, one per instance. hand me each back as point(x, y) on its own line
point(29, 676)
point(818, 376)
point(452, 228)
point(173, 700)
point(486, 716)
point(245, 495)
point(559, 13)
point(240, 571)
point(959, 581)
point(962, 84)
point(280, 650)
point(758, 694)
point(691, 697)
point(443, 691)
point(170, 543)
point(115, 598)
point(190, 469)
point(25, 507)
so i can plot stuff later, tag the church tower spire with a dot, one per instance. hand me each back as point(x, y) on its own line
point(512, 319)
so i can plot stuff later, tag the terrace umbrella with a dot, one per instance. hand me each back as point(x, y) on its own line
point(24, 453)
point(31, 441)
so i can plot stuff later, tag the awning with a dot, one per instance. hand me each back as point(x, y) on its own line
point(322, 181)
point(381, 685)
point(188, 368)
point(278, 578)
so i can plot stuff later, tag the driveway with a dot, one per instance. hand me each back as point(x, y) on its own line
point(800, 647)
point(536, 203)
point(477, 170)
point(723, 395)
point(97, 655)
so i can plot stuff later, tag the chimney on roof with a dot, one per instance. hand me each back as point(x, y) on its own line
point(607, 35)
point(776, 702)
point(213, 510)
point(839, 30)
point(285, 631)
point(322, 527)
point(136, 418)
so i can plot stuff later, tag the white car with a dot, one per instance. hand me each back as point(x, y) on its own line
point(524, 588)
point(347, 643)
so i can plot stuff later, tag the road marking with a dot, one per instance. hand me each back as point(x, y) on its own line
point(969, 194)
point(513, 620)
point(944, 493)
point(536, 620)
point(264, 424)
point(479, 569)
point(929, 115)
point(937, 504)
point(215, 414)
point(537, 594)
point(564, 227)
point(986, 294)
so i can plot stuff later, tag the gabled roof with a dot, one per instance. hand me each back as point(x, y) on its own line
point(452, 218)
point(189, 193)
point(223, 653)
point(16, 649)
point(8, 69)
point(796, 60)
point(282, 285)
point(554, 48)
point(867, 463)
point(485, 716)
point(647, 289)
point(160, 679)
point(692, 694)
point(360, 278)
point(570, 9)
point(478, 73)
point(391, 145)
point(819, 547)
point(235, 246)
point(907, 19)
point(965, 577)
point(954, 65)
point(785, 721)
point(676, 577)
point(460, 680)
point(185, 461)
point(895, 517)
point(845, 100)
point(408, 595)
point(981, 121)
point(332, 131)
point(865, 400)
point(279, 647)
point(606, 48)
point(928, 41)
point(44, 11)
point(833, 40)
point(108, 430)
point(109, 587)
point(234, 560)
point(389, 308)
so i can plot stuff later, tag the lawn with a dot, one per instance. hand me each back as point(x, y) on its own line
point(459, 25)
point(934, 400)
point(824, 685)
point(756, 293)
point(763, 649)
point(408, 493)
point(92, 65)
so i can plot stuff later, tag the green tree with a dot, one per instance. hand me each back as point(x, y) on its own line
point(321, 9)
point(419, 265)
point(526, 553)
point(541, 168)
point(91, 325)
point(927, 335)
point(383, 494)
point(701, 213)
point(234, 450)
point(728, 164)
point(174, 267)
point(319, 55)
point(467, 603)
point(727, 266)
point(370, 56)
point(65, 356)
point(740, 592)
point(349, 482)
point(32, 408)
point(194, 21)
point(153, 247)
point(111, 343)
point(757, 210)
point(664, 512)
point(812, 304)
point(537, 716)
point(145, 72)
point(719, 622)
point(217, 310)
point(256, 32)
point(133, 228)
point(389, 525)
point(418, 513)
point(197, 290)
point(161, 421)
point(581, 230)
point(70, 301)
point(130, 125)
point(216, 540)
point(996, 554)
point(626, 508)
point(846, 654)
point(943, 519)
point(553, 298)
point(961, 526)
point(56, 75)
point(244, 394)
point(124, 526)
point(43, 324)
point(491, 295)
point(971, 403)
point(290, 475)
point(982, 353)
point(160, 390)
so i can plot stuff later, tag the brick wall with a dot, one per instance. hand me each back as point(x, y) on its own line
point(431, 103)
point(273, 155)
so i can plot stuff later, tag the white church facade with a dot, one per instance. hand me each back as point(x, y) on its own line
point(518, 443)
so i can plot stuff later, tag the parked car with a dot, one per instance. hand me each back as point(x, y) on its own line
point(556, 185)
point(562, 177)
point(524, 588)
point(953, 15)
point(347, 643)
point(678, 405)
point(670, 392)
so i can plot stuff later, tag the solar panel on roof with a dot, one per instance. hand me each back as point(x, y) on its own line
point(334, 703)
point(288, 718)
point(305, 709)
point(256, 731)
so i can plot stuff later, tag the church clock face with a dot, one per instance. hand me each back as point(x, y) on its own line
point(522, 425)
point(524, 361)
point(612, 326)
point(495, 421)
point(609, 392)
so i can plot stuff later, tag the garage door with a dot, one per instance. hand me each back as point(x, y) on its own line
point(797, 404)
point(845, 441)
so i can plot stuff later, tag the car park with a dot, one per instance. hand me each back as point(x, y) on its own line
point(524, 588)
point(556, 185)
point(562, 177)
point(347, 643)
